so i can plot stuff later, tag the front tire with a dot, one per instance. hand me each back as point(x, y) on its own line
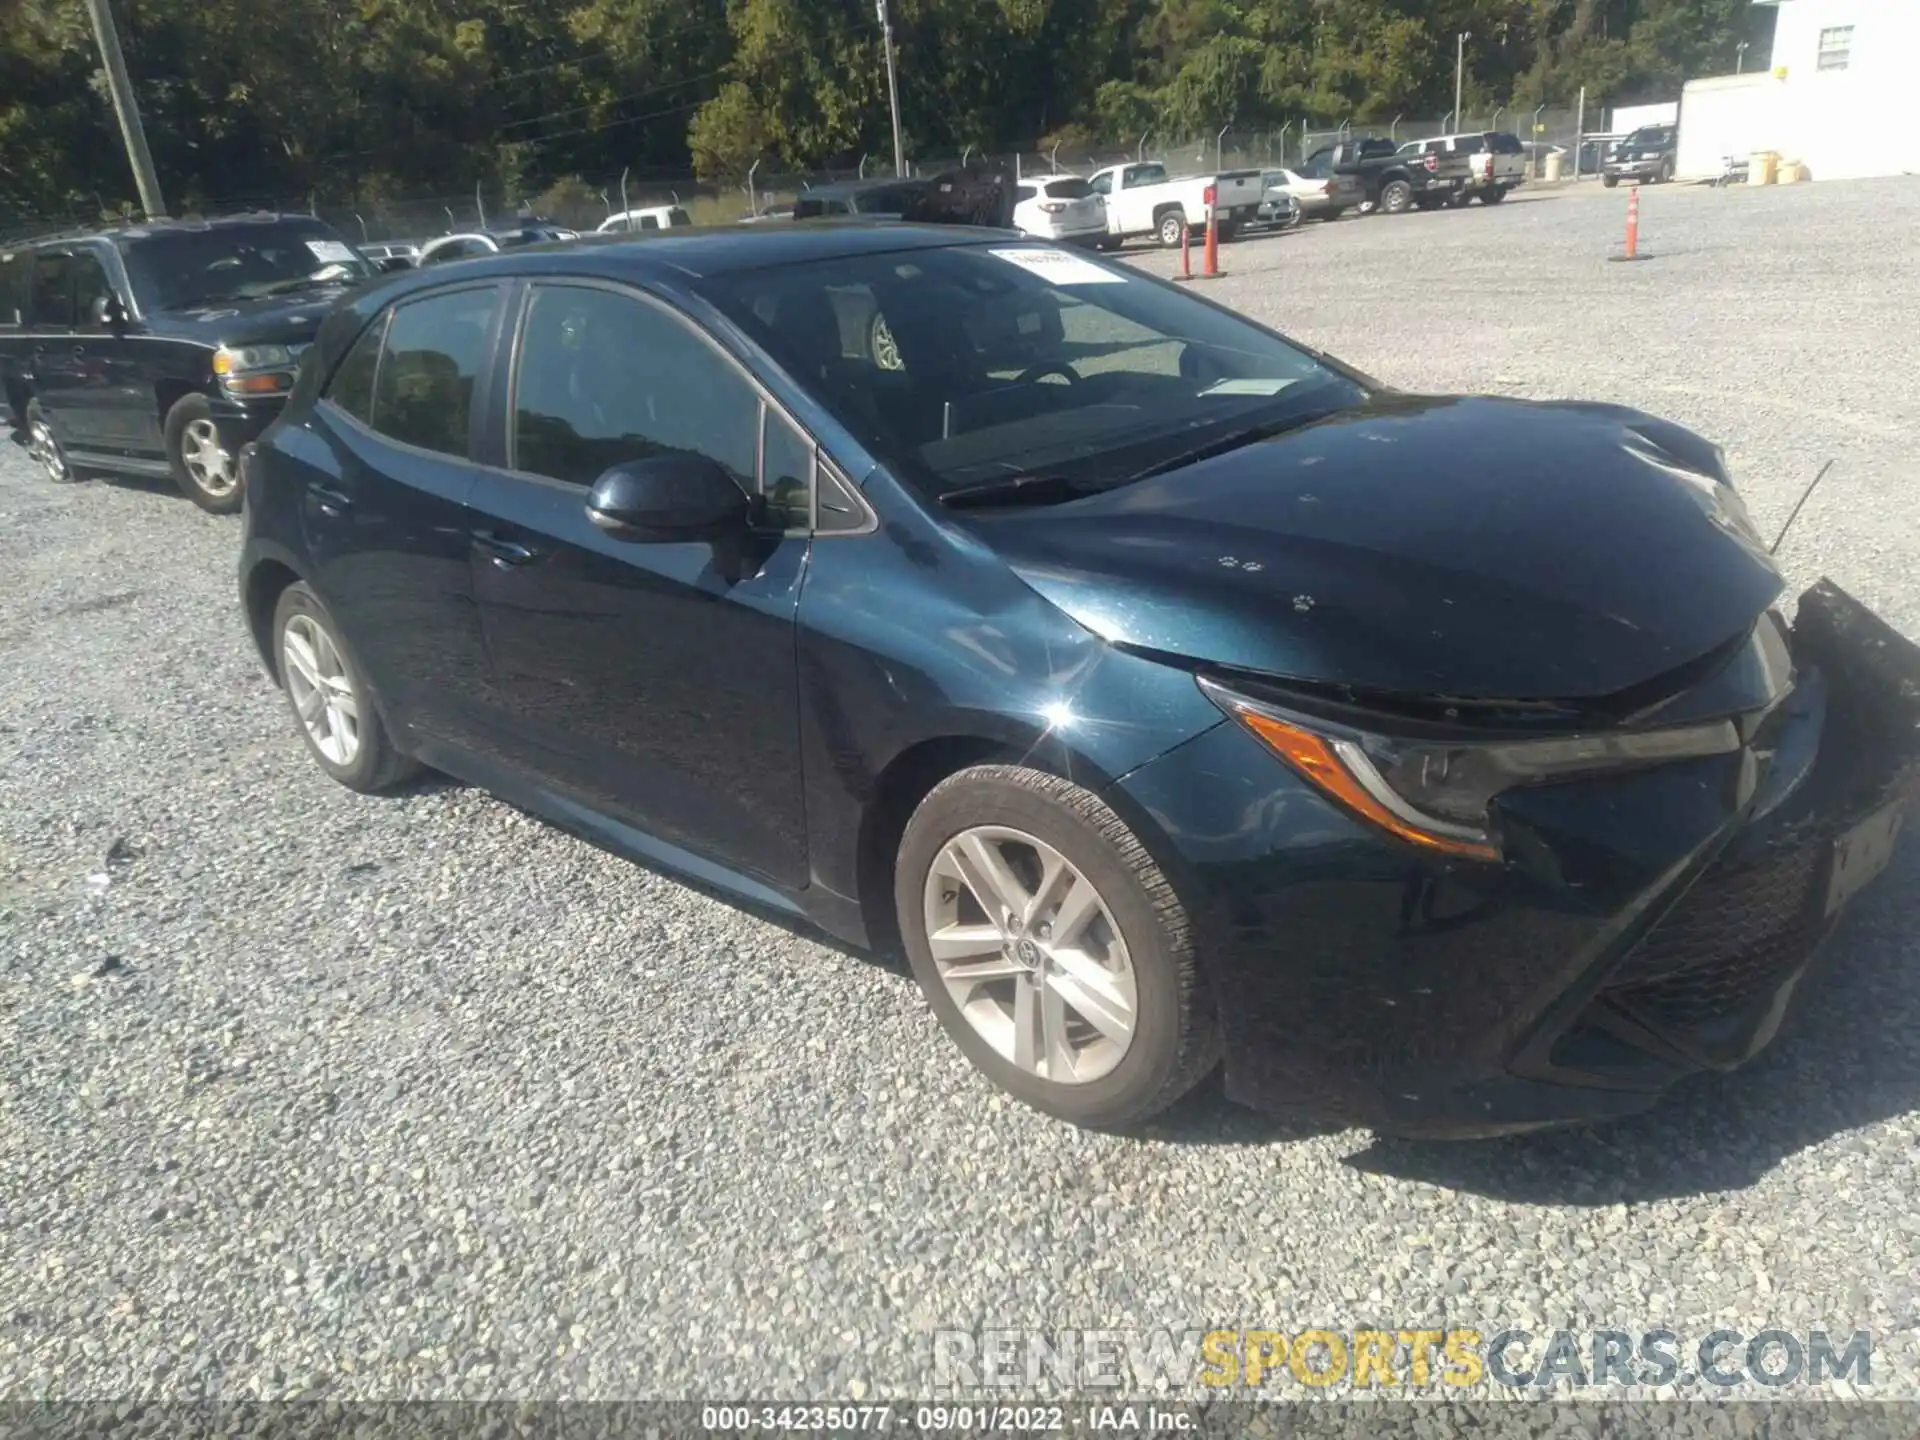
point(331, 700)
point(202, 468)
point(1052, 947)
point(1610, 181)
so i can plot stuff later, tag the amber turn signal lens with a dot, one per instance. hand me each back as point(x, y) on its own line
point(258, 384)
point(1314, 758)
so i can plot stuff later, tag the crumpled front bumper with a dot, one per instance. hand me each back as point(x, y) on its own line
point(1642, 927)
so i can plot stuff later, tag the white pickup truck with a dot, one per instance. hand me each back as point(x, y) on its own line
point(1143, 200)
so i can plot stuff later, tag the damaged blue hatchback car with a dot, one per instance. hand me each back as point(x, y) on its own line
point(1174, 695)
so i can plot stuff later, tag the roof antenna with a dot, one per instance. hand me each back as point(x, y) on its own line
point(1805, 496)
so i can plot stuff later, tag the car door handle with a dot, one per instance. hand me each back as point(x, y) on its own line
point(331, 502)
point(501, 551)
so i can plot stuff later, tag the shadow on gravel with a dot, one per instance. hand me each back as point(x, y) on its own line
point(1851, 1058)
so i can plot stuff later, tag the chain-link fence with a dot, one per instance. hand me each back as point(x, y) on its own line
point(584, 202)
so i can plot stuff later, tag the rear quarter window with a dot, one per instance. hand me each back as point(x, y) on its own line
point(1069, 189)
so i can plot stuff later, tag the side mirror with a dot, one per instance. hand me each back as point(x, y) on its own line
point(667, 497)
point(107, 311)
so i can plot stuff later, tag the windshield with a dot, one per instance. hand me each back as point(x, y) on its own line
point(186, 269)
point(1648, 138)
point(972, 364)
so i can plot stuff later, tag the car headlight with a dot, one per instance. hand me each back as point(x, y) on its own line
point(255, 369)
point(1437, 794)
point(235, 359)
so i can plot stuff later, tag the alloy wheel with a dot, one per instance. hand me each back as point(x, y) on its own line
point(321, 691)
point(1030, 954)
point(207, 460)
point(46, 451)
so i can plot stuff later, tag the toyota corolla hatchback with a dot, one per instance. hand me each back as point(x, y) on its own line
point(1171, 693)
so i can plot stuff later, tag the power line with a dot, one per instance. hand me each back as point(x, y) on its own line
point(618, 99)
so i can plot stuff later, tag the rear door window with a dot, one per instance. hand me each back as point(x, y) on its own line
point(1024, 193)
point(434, 351)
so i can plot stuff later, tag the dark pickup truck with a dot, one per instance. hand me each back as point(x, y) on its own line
point(162, 348)
point(1393, 181)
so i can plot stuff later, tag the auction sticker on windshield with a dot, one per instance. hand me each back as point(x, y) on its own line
point(330, 252)
point(1059, 267)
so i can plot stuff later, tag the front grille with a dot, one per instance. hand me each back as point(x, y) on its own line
point(1725, 916)
point(1731, 938)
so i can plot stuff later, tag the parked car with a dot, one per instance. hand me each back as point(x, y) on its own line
point(162, 348)
point(1496, 165)
point(873, 199)
point(1647, 155)
point(1321, 192)
point(1278, 209)
point(1390, 179)
point(1142, 199)
point(653, 217)
point(1059, 207)
point(1481, 788)
point(470, 244)
point(392, 255)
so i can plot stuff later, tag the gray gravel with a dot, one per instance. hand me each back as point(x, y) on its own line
point(312, 1094)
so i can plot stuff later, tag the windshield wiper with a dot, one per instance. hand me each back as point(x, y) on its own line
point(1019, 490)
point(1233, 440)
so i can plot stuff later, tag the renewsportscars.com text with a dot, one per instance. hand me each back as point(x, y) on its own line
point(1411, 1359)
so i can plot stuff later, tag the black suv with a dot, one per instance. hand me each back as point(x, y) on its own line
point(1648, 154)
point(162, 348)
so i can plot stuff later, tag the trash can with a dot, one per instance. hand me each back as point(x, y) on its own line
point(1792, 172)
point(1763, 167)
point(1556, 162)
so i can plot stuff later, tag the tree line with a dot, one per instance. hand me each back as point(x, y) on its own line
point(385, 98)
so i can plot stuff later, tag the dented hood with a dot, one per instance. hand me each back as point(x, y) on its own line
point(1480, 548)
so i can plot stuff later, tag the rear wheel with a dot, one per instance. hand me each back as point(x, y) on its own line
point(331, 699)
point(1494, 195)
point(1610, 181)
point(1052, 947)
point(1396, 196)
point(202, 468)
point(44, 446)
point(1666, 173)
point(1171, 229)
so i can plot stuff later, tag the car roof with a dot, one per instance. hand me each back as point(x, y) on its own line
point(698, 252)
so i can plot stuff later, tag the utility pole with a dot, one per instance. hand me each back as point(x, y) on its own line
point(1459, 74)
point(127, 108)
point(1740, 58)
point(893, 88)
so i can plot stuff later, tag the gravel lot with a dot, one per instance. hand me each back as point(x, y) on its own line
point(308, 1094)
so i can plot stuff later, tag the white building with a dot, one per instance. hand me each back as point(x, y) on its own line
point(1837, 98)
